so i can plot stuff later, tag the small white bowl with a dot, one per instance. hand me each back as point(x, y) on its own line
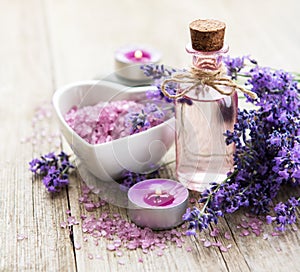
point(140, 153)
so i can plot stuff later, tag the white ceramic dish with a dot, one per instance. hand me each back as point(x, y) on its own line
point(139, 153)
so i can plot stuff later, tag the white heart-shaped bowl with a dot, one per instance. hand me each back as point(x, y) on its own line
point(140, 153)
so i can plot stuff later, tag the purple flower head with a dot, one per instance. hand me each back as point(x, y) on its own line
point(54, 169)
point(234, 65)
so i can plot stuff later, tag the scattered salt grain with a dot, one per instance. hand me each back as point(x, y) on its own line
point(257, 232)
point(119, 253)
point(77, 246)
point(244, 225)
point(99, 257)
point(265, 236)
point(193, 200)
point(217, 244)
point(21, 237)
point(215, 232)
point(223, 248)
point(89, 207)
point(189, 249)
point(63, 225)
point(244, 233)
point(227, 235)
point(207, 243)
point(160, 253)
point(111, 247)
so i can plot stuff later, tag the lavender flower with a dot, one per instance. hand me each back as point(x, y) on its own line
point(151, 115)
point(267, 153)
point(285, 214)
point(235, 65)
point(54, 170)
point(130, 178)
point(159, 73)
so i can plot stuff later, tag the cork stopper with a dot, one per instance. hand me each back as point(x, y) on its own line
point(207, 35)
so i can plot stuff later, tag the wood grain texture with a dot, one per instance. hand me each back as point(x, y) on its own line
point(26, 209)
point(48, 43)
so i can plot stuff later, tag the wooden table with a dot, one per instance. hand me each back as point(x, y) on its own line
point(46, 44)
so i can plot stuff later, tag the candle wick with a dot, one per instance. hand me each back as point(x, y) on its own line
point(138, 54)
point(158, 191)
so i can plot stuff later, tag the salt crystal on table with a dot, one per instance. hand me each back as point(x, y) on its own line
point(21, 237)
point(223, 249)
point(119, 253)
point(257, 232)
point(77, 246)
point(244, 225)
point(265, 236)
point(245, 232)
point(217, 244)
point(111, 247)
point(215, 232)
point(160, 253)
point(132, 246)
point(63, 225)
point(207, 244)
point(189, 249)
point(227, 235)
point(89, 207)
point(294, 228)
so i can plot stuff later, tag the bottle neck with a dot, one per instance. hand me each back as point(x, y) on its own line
point(207, 60)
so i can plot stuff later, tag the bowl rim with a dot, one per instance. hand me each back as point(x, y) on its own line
point(61, 90)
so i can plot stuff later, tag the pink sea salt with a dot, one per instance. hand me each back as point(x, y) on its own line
point(111, 247)
point(227, 235)
point(21, 237)
point(102, 122)
point(189, 249)
point(207, 243)
point(77, 246)
point(244, 233)
point(215, 232)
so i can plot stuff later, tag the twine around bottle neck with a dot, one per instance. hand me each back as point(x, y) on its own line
point(215, 79)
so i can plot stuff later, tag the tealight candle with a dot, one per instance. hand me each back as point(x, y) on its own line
point(157, 203)
point(128, 61)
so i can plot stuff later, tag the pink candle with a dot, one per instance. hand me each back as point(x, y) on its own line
point(128, 61)
point(157, 203)
point(138, 56)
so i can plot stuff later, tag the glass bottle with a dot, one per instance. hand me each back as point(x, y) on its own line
point(202, 118)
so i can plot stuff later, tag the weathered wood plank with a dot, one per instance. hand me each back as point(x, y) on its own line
point(268, 252)
point(29, 238)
